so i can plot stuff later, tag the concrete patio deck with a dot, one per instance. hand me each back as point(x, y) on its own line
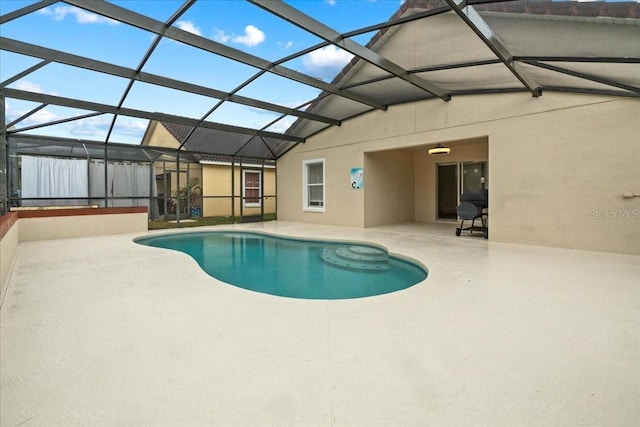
point(101, 331)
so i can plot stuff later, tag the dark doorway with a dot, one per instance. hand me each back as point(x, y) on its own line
point(447, 191)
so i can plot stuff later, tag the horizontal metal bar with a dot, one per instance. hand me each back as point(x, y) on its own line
point(426, 70)
point(294, 16)
point(25, 73)
point(128, 73)
point(56, 122)
point(25, 115)
point(25, 10)
point(143, 22)
point(455, 66)
point(624, 94)
point(161, 117)
point(480, 27)
point(603, 59)
point(398, 21)
point(584, 76)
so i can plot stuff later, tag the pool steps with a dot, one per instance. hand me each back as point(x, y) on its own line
point(357, 258)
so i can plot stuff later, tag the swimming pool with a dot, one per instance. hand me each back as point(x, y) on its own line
point(291, 267)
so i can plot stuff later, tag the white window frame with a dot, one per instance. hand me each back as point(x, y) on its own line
point(306, 206)
point(244, 189)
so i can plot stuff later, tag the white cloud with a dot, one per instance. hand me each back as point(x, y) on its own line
point(220, 36)
point(327, 61)
point(189, 26)
point(39, 117)
point(286, 45)
point(28, 86)
point(252, 37)
point(282, 125)
point(97, 127)
point(82, 16)
point(90, 127)
point(331, 2)
point(131, 127)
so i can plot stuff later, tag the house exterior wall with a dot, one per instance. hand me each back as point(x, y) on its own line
point(159, 136)
point(217, 181)
point(558, 166)
point(168, 187)
point(391, 177)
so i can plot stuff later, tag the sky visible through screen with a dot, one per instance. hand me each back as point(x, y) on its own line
point(234, 23)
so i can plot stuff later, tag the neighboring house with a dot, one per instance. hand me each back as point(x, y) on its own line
point(205, 180)
point(562, 169)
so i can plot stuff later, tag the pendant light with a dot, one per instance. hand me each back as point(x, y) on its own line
point(439, 150)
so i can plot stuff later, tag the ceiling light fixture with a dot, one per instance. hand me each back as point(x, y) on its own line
point(439, 149)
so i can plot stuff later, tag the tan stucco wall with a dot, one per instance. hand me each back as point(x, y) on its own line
point(556, 164)
point(63, 227)
point(159, 136)
point(9, 240)
point(391, 176)
point(343, 204)
point(217, 182)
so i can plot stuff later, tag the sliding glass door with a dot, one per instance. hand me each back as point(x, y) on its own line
point(455, 178)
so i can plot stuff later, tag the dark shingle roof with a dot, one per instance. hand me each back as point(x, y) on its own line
point(217, 145)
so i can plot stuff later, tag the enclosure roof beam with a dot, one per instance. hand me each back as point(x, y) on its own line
point(585, 76)
point(161, 117)
point(480, 27)
point(143, 22)
point(128, 73)
point(25, 115)
point(317, 28)
point(25, 73)
point(25, 10)
point(601, 59)
point(145, 58)
point(56, 122)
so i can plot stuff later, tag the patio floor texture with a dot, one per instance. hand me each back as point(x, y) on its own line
point(102, 331)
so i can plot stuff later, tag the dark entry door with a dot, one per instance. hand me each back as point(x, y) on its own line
point(447, 191)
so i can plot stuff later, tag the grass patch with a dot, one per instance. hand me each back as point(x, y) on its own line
point(200, 222)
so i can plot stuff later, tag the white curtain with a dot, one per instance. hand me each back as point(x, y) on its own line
point(126, 180)
point(128, 184)
point(44, 177)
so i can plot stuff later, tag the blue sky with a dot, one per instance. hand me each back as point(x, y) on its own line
point(232, 22)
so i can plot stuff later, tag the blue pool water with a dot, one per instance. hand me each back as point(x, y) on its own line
point(291, 267)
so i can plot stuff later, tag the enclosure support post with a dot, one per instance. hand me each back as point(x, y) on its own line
point(178, 188)
point(187, 193)
point(233, 191)
point(165, 200)
point(152, 175)
point(4, 160)
point(262, 191)
point(241, 192)
point(106, 178)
